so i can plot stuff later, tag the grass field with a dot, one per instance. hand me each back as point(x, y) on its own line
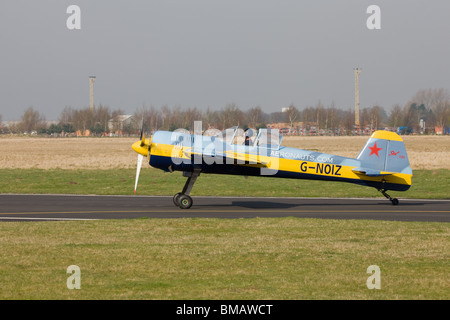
point(277, 258)
point(427, 184)
point(284, 258)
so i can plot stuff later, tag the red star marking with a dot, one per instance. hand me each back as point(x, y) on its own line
point(374, 150)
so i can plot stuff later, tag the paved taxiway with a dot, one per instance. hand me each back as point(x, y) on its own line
point(73, 207)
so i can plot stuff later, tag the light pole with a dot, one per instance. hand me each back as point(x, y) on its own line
point(91, 81)
point(357, 72)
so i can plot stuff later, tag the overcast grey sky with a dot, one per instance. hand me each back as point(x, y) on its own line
point(200, 53)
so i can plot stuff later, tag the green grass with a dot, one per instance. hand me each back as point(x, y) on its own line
point(432, 184)
point(285, 258)
point(273, 258)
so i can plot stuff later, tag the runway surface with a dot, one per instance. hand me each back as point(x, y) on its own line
point(14, 207)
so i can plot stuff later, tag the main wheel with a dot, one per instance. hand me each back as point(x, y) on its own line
point(185, 201)
point(394, 201)
point(176, 199)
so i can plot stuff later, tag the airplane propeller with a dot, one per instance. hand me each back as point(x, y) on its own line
point(138, 171)
point(142, 147)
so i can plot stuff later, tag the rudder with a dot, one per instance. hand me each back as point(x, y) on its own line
point(386, 152)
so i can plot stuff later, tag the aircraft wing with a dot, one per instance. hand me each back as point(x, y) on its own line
point(247, 159)
point(231, 157)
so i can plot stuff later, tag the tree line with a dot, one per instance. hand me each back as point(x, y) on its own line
point(426, 110)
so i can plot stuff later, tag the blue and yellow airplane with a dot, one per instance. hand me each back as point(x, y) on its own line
point(382, 162)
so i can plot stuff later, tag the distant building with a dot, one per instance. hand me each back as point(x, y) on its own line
point(119, 122)
point(297, 129)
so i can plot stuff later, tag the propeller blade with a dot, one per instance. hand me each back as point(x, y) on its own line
point(142, 139)
point(138, 171)
point(142, 128)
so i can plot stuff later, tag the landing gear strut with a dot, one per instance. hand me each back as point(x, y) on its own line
point(182, 199)
point(393, 200)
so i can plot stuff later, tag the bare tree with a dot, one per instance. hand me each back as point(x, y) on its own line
point(166, 117)
point(278, 116)
point(442, 113)
point(211, 119)
point(83, 119)
point(149, 118)
point(31, 120)
point(254, 117)
point(348, 120)
point(177, 118)
point(231, 116)
point(66, 115)
point(412, 115)
point(191, 115)
point(430, 97)
point(435, 106)
point(333, 119)
point(319, 114)
point(292, 116)
point(102, 115)
point(309, 114)
point(396, 116)
point(375, 117)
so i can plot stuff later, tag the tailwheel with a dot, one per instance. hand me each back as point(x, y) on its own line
point(185, 201)
point(394, 201)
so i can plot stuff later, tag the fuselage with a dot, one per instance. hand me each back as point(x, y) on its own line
point(185, 152)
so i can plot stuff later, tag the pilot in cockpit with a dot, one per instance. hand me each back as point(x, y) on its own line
point(248, 134)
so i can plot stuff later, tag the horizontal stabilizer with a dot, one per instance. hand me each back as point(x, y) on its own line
point(370, 172)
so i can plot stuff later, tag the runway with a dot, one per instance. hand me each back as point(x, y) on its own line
point(19, 207)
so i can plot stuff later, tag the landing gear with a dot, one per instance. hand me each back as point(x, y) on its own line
point(176, 199)
point(182, 199)
point(185, 202)
point(393, 200)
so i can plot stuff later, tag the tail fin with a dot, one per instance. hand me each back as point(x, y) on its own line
point(384, 154)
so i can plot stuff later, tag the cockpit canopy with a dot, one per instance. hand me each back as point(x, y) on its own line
point(267, 138)
point(264, 138)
